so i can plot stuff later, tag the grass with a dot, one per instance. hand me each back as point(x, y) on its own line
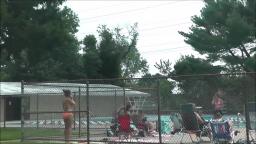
point(9, 134)
point(18, 142)
point(43, 132)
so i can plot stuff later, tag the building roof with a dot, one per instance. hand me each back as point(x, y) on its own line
point(14, 88)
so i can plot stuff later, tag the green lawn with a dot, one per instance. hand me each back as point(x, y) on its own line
point(7, 134)
point(10, 134)
point(43, 132)
point(18, 142)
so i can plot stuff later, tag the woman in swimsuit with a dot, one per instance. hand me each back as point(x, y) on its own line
point(68, 106)
point(217, 101)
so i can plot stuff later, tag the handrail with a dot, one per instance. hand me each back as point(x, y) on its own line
point(49, 112)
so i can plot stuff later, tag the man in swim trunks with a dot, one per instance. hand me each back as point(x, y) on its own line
point(68, 106)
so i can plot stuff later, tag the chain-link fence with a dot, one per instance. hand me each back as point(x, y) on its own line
point(157, 113)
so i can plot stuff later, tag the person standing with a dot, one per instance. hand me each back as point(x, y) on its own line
point(217, 101)
point(68, 107)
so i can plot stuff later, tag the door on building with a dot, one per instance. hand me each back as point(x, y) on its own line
point(13, 108)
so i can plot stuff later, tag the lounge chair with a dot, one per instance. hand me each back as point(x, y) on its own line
point(190, 123)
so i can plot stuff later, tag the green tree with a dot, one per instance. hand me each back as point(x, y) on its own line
point(167, 98)
point(134, 64)
point(198, 89)
point(110, 53)
point(37, 40)
point(119, 54)
point(91, 58)
point(238, 89)
point(164, 67)
point(225, 31)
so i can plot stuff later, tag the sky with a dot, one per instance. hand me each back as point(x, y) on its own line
point(158, 24)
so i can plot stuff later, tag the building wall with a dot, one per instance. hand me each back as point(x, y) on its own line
point(44, 103)
point(99, 106)
point(105, 106)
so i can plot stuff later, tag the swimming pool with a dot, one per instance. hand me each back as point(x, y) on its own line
point(238, 121)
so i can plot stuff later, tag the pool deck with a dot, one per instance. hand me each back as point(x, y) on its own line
point(111, 140)
point(170, 139)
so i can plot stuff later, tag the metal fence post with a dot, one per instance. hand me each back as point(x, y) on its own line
point(158, 111)
point(88, 114)
point(247, 123)
point(37, 107)
point(4, 112)
point(124, 97)
point(22, 111)
point(74, 117)
point(115, 107)
point(79, 109)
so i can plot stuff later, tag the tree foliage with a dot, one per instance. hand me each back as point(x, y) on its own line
point(238, 90)
point(91, 59)
point(37, 40)
point(38, 43)
point(199, 89)
point(134, 64)
point(164, 67)
point(115, 55)
point(225, 31)
point(167, 98)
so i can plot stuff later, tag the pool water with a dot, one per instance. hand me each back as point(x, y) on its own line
point(238, 122)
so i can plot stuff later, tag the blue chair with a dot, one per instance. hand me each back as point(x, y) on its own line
point(221, 132)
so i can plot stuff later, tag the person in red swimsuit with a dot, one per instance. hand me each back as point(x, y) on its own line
point(68, 106)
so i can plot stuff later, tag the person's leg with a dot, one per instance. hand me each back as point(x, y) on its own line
point(68, 128)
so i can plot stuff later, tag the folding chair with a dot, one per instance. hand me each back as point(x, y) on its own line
point(221, 132)
point(190, 123)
